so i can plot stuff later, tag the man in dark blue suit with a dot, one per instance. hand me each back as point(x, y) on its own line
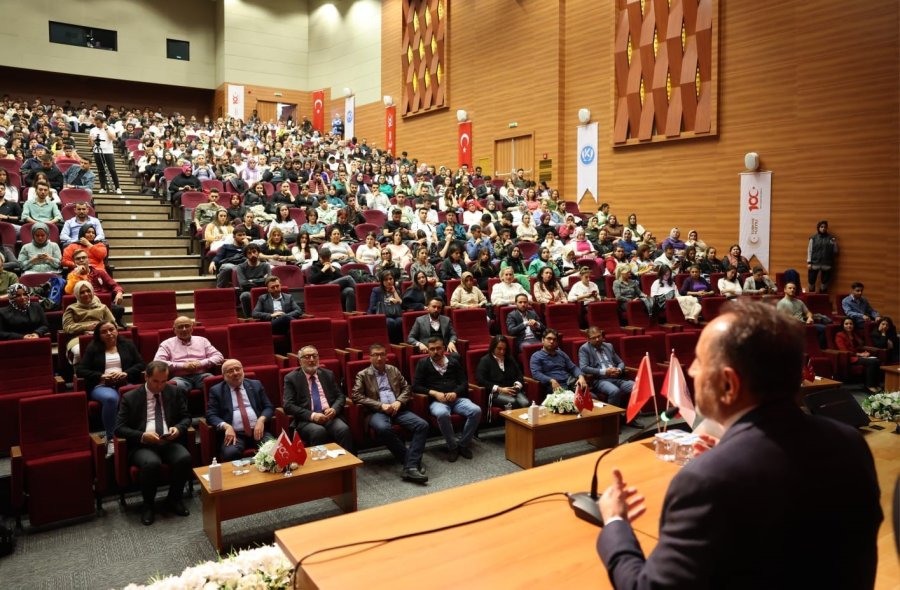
point(277, 307)
point(240, 408)
point(783, 500)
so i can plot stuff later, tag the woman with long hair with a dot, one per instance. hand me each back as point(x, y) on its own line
point(217, 230)
point(419, 293)
point(399, 251)
point(312, 226)
point(236, 208)
point(386, 300)
point(275, 251)
point(735, 259)
point(483, 268)
point(341, 251)
point(547, 288)
point(369, 252)
point(500, 375)
point(453, 266)
point(304, 252)
point(664, 288)
point(730, 285)
point(849, 341)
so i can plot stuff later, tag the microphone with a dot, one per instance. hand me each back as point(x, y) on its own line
point(669, 414)
point(585, 503)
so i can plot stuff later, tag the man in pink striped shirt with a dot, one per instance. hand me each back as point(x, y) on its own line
point(190, 357)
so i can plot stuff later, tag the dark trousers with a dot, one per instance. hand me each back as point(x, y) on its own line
point(150, 460)
point(241, 442)
point(106, 162)
point(336, 430)
point(409, 458)
point(813, 274)
point(348, 292)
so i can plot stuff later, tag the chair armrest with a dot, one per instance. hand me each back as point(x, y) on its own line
point(190, 443)
point(462, 347)
point(282, 361)
point(881, 353)
point(419, 405)
point(282, 420)
point(59, 384)
point(77, 383)
point(120, 463)
point(633, 330)
point(98, 450)
point(353, 354)
point(478, 395)
point(207, 441)
point(355, 420)
point(672, 327)
point(533, 390)
point(17, 479)
point(352, 313)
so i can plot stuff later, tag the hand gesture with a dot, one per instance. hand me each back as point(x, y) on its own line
point(620, 500)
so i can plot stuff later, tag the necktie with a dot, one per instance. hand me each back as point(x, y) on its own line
point(244, 417)
point(314, 392)
point(158, 416)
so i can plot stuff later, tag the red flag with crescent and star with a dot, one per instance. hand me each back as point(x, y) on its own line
point(642, 391)
point(318, 118)
point(390, 129)
point(583, 399)
point(465, 144)
point(298, 454)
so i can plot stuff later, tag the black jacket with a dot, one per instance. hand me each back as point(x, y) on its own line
point(93, 363)
point(14, 325)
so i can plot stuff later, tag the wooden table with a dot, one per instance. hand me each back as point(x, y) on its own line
point(891, 377)
point(821, 383)
point(599, 426)
point(885, 447)
point(242, 495)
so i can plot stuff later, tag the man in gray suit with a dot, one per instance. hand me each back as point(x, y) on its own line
point(433, 324)
point(599, 360)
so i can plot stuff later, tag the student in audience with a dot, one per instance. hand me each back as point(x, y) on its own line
point(433, 324)
point(22, 318)
point(505, 292)
point(501, 377)
point(80, 176)
point(523, 323)
point(323, 271)
point(453, 265)
point(547, 288)
point(696, 286)
point(730, 284)
point(419, 293)
point(240, 408)
point(553, 368)
point(711, 264)
point(735, 259)
point(598, 359)
point(186, 181)
point(205, 213)
point(228, 256)
point(854, 305)
point(109, 362)
point(191, 358)
point(40, 255)
point(217, 231)
point(86, 240)
point(41, 209)
point(71, 230)
point(759, 284)
point(386, 300)
point(277, 307)
point(626, 288)
point(884, 335)
point(10, 192)
point(82, 316)
point(664, 288)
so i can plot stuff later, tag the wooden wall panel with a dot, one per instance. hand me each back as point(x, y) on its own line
point(254, 93)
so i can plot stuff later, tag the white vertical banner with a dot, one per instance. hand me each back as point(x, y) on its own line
point(587, 161)
point(235, 101)
point(349, 117)
point(756, 213)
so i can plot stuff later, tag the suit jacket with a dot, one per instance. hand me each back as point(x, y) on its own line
point(421, 330)
point(785, 500)
point(93, 363)
point(219, 409)
point(265, 308)
point(365, 389)
point(515, 324)
point(132, 419)
point(488, 373)
point(297, 401)
point(589, 363)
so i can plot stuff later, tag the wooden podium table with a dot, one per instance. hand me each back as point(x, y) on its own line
point(891, 377)
point(599, 426)
point(255, 492)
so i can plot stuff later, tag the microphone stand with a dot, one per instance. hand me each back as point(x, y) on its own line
point(585, 503)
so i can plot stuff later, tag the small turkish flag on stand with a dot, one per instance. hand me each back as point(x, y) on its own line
point(642, 391)
point(676, 390)
point(299, 450)
point(283, 451)
point(583, 399)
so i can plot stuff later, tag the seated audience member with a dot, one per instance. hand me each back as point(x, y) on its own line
point(695, 285)
point(759, 284)
point(304, 253)
point(675, 241)
point(625, 289)
point(41, 209)
point(10, 210)
point(191, 358)
point(419, 293)
point(385, 299)
point(22, 318)
point(735, 259)
point(585, 290)
point(153, 419)
point(395, 225)
point(667, 258)
point(711, 264)
point(433, 325)
point(99, 280)
point(730, 284)
point(663, 288)
point(467, 294)
point(81, 176)
point(695, 242)
point(453, 265)
point(217, 231)
point(240, 408)
point(51, 172)
point(369, 252)
point(501, 377)
point(848, 341)
point(791, 305)
point(747, 377)
point(85, 242)
point(229, 256)
point(341, 251)
point(553, 368)
point(109, 362)
point(252, 272)
point(315, 402)
point(182, 183)
point(854, 305)
point(508, 289)
point(276, 307)
point(483, 269)
point(523, 323)
point(40, 255)
point(599, 360)
point(82, 316)
point(275, 250)
point(540, 262)
point(383, 392)
point(205, 213)
point(325, 272)
point(884, 335)
point(547, 288)
point(442, 379)
point(71, 230)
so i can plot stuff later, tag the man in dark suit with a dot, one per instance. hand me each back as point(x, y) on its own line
point(524, 323)
point(381, 389)
point(313, 398)
point(599, 360)
point(152, 419)
point(433, 324)
point(240, 408)
point(783, 500)
point(276, 307)
point(442, 379)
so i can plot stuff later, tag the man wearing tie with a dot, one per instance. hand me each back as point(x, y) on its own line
point(240, 408)
point(598, 359)
point(312, 397)
point(152, 419)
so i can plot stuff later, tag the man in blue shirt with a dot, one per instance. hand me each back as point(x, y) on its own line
point(857, 307)
point(459, 232)
point(477, 242)
point(552, 367)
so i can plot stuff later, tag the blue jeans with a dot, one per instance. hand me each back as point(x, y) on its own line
point(109, 407)
point(188, 382)
point(381, 424)
point(617, 391)
point(465, 408)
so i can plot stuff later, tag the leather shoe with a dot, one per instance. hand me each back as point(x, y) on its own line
point(465, 452)
point(414, 475)
point(453, 455)
point(147, 516)
point(421, 467)
point(178, 507)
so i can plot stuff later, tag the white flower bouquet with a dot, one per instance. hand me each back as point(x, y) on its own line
point(561, 401)
point(883, 406)
point(263, 568)
point(264, 458)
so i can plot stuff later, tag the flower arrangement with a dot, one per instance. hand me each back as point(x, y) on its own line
point(561, 401)
point(263, 568)
point(264, 458)
point(883, 406)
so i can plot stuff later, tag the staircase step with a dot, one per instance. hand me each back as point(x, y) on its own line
point(154, 260)
point(167, 283)
point(131, 250)
point(132, 226)
point(132, 207)
point(114, 199)
point(156, 272)
point(161, 215)
point(140, 232)
point(149, 243)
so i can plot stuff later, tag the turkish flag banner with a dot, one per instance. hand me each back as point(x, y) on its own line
point(318, 119)
point(465, 144)
point(390, 129)
point(282, 453)
point(298, 454)
point(642, 391)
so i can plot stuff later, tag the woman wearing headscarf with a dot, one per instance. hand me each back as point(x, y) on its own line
point(467, 294)
point(82, 317)
point(87, 233)
point(22, 318)
point(41, 255)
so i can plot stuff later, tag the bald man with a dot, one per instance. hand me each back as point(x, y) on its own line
point(240, 409)
point(191, 358)
point(783, 500)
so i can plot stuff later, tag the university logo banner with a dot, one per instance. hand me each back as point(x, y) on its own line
point(756, 211)
point(349, 116)
point(390, 128)
point(587, 161)
point(465, 144)
point(318, 119)
point(235, 100)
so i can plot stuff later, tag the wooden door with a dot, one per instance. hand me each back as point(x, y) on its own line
point(513, 153)
point(267, 111)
